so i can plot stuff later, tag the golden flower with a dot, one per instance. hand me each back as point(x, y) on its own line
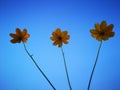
point(102, 31)
point(19, 36)
point(60, 37)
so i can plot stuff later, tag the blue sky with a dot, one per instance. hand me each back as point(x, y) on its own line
point(41, 18)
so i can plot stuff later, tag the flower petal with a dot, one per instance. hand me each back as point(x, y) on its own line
point(94, 35)
point(24, 32)
point(97, 26)
point(105, 37)
point(64, 33)
point(103, 25)
point(55, 43)
point(18, 32)
point(52, 38)
point(24, 39)
point(15, 41)
point(65, 42)
point(13, 35)
point(110, 27)
point(111, 34)
point(58, 30)
point(67, 37)
point(27, 36)
point(99, 38)
point(93, 31)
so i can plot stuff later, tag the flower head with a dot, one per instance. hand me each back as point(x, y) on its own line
point(102, 31)
point(59, 37)
point(19, 36)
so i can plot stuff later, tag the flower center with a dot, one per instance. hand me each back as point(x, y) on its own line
point(20, 38)
point(59, 38)
point(102, 33)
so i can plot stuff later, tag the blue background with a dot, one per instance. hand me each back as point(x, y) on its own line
point(41, 18)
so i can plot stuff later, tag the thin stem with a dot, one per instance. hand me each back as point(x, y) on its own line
point(66, 69)
point(38, 67)
point(94, 66)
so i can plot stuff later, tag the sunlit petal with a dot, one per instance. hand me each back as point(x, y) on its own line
point(13, 35)
point(18, 32)
point(65, 42)
point(15, 41)
point(24, 32)
point(110, 27)
point(103, 25)
point(97, 26)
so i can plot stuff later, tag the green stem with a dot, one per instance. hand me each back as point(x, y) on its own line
point(38, 67)
point(94, 66)
point(66, 69)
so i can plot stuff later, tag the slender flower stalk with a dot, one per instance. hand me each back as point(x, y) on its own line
point(38, 66)
point(94, 66)
point(101, 32)
point(66, 69)
point(22, 36)
point(59, 37)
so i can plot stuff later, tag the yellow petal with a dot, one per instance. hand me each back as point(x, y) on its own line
point(111, 34)
point(94, 35)
point(103, 25)
point(24, 39)
point(13, 35)
point(97, 26)
point(67, 37)
point(99, 38)
point(24, 32)
point(93, 31)
point(105, 37)
point(110, 27)
point(64, 33)
point(55, 36)
point(18, 32)
point(55, 43)
point(15, 41)
point(27, 36)
point(52, 38)
point(65, 42)
point(57, 32)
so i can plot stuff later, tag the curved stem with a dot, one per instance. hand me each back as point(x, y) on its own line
point(66, 69)
point(38, 67)
point(94, 66)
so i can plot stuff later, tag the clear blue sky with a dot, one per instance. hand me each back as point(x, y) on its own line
point(41, 18)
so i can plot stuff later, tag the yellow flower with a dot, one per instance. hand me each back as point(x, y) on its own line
point(60, 37)
point(19, 36)
point(102, 31)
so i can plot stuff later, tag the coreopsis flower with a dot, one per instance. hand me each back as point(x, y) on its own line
point(102, 31)
point(19, 36)
point(59, 37)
